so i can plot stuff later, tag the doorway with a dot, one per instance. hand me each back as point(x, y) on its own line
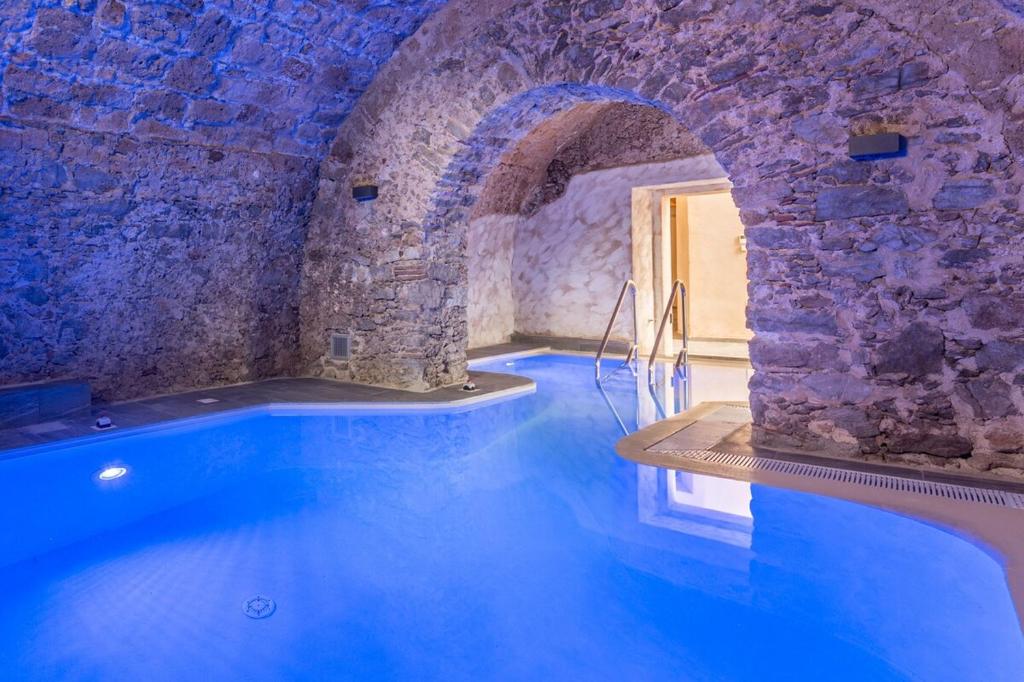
point(708, 255)
point(691, 232)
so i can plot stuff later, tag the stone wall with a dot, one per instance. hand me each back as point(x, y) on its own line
point(159, 161)
point(885, 296)
point(146, 267)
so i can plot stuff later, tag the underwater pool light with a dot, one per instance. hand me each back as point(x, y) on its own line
point(110, 473)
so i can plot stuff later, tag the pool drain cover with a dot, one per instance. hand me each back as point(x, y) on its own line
point(258, 606)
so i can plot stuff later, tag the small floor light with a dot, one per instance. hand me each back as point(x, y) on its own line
point(110, 473)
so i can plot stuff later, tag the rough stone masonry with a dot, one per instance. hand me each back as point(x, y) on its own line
point(158, 164)
point(175, 205)
point(886, 297)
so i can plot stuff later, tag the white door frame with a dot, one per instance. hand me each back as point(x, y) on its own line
point(652, 253)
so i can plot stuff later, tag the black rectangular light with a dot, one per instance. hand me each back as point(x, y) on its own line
point(364, 192)
point(877, 146)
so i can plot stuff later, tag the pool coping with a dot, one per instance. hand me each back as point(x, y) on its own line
point(478, 359)
point(304, 394)
point(995, 529)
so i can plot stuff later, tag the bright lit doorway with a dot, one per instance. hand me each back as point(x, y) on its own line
point(708, 255)
point(691, 232)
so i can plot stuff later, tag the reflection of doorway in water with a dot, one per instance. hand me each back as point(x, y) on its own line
point(634, 403)
point(704, 506)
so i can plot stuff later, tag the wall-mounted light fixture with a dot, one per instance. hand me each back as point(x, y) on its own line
point(877, 146)
point(364, 192)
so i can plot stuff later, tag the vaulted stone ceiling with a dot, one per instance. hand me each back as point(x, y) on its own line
point(588, 137)
point(266, 75)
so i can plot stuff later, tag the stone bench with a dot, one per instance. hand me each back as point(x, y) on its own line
point(33, 403)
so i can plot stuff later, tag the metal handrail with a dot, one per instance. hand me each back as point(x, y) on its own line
point(615, 412)
point(682, 395)
point(683, 356)
point(629, 285)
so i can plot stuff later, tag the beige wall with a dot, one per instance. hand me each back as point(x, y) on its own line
point(713, 265)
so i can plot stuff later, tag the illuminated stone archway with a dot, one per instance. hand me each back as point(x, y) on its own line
point(883, 321)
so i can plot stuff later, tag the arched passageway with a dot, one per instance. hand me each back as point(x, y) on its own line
point(877, 287)
point(586, 200)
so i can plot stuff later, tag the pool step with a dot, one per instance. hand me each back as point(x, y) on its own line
point(27, 404)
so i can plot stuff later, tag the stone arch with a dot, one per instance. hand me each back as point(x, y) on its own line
point(502, 157)
point(502, 129)
point(836, 247)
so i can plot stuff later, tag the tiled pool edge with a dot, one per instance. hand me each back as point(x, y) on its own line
point(300, 395)
point(993, 528)
point(479, 359)
point(724, 428)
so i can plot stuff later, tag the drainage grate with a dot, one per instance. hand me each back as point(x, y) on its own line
point(259, 606)
point(950, 491)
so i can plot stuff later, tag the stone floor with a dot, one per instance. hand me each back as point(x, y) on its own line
point(726, 428)
point(288, 390)
point(502, 349)
point(521, 343)
point(571, 343)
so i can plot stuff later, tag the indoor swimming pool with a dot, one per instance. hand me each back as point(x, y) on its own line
point(507, 541)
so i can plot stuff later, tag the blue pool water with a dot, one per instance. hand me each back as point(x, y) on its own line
point(504, 542)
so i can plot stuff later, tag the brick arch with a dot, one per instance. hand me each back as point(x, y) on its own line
point(851, 264)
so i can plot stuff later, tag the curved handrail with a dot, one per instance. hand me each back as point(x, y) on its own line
point(629, 285)
point(683, 356)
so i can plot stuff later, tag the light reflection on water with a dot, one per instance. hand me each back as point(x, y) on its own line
point(506, 542)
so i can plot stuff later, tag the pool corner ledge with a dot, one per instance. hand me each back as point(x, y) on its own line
point(989, 517)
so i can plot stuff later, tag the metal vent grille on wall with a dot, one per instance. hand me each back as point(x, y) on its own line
point(340, 347)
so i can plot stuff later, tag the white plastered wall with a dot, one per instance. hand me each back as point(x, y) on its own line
point(566, 263)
